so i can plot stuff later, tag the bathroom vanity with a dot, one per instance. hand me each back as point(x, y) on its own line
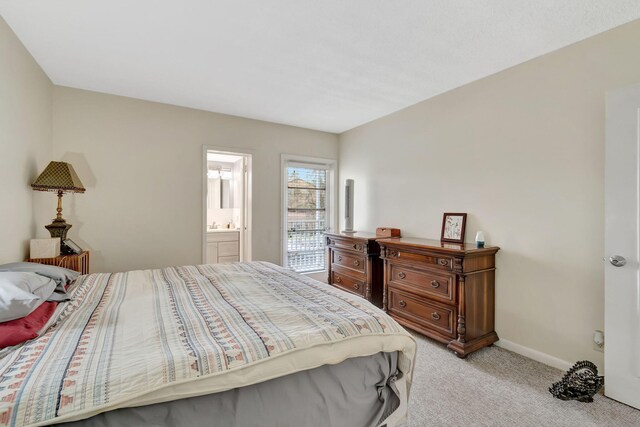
point(223, 245)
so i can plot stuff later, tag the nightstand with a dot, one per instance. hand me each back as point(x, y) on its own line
point(79, 263)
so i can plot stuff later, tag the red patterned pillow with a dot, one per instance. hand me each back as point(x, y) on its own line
point(26, 328)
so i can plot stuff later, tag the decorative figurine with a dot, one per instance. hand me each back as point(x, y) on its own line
point(580, 383)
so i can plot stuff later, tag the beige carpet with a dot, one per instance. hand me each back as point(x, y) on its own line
point(495, 387)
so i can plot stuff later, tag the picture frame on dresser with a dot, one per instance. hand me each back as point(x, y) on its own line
point(453, 227)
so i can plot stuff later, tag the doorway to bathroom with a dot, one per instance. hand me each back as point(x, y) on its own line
point(226, 206)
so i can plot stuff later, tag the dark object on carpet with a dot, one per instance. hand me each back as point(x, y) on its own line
point(580, 383)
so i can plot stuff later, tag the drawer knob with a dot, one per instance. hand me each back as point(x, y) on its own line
point(357, 286)
point(435, 284)
point(356, 263)
point(435, 316)
point(402, 304)
point(394, 254)
point(338, 279)
point(402, 275)
point(444, 262)
point(339, 258)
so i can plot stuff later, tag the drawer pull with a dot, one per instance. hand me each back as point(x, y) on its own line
point(338, 279)
point(356, 263)
point(444, 262)
point(339, 258)
point(402, 275)
point(356, 247)
point(435, 316)
point(357, 286)
point(435, 284)
point(402, 304)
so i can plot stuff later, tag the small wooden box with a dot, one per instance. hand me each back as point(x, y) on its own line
point(387, 232)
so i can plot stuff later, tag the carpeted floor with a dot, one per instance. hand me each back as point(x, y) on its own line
point(495, 387)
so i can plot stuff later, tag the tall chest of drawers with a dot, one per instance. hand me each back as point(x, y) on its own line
point(442, 290)
point(354, 264)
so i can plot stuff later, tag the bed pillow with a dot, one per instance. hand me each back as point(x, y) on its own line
point(21, 293)
point(62, 276)
point(17, 331)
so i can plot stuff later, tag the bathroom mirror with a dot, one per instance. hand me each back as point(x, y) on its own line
point(226, 194)
point(220, 189)
point(213, 193)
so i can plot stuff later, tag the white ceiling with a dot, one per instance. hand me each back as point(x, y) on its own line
point(321, 64)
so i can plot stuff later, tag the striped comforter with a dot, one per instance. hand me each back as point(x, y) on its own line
point(141, 337)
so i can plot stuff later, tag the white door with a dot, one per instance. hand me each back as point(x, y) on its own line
point(622, 284)
point(246, 253)
point(241, 164)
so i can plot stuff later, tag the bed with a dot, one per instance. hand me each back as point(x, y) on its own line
point(243, 344)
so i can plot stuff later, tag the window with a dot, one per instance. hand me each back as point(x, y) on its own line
point(307, 212)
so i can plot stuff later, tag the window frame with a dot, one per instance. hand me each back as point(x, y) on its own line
point(330, 165)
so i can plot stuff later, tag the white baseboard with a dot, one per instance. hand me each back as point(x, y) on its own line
point(536, 355)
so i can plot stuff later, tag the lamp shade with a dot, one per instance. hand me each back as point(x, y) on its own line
point(58, 176)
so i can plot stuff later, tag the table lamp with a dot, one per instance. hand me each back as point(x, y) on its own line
point(60, 177)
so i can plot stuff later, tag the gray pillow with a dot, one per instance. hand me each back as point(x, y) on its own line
point(21, 293)
point(62, 276)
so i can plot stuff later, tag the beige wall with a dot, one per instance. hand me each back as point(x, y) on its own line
point(25, 145)
point(522, 152)
point(141, 164)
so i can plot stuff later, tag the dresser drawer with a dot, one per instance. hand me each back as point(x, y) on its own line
point(347, 283)
point(441, 262)
point(349, 260)
point(438, 317)
point(435, 285)
point(349, 244)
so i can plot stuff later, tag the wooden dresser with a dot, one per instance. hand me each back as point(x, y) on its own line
point(354, 264)
point(442, 290)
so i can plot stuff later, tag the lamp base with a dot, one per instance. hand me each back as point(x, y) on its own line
point(58, 228)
